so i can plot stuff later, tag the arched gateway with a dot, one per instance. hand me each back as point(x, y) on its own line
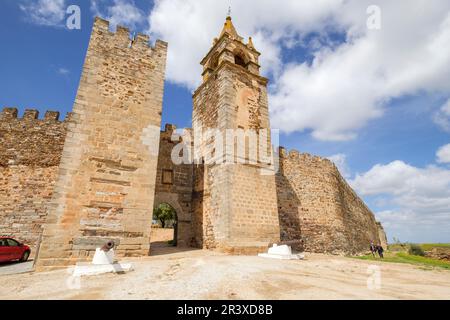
point(174, 186)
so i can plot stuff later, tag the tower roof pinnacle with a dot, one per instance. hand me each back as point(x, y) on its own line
point(229, 28)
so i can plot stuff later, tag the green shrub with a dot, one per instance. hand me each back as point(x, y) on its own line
point(416, 250)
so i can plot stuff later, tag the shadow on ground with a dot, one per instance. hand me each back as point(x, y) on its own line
point(159, 248)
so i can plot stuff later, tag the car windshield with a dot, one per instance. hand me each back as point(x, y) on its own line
point(3, 243)
point(12, 243)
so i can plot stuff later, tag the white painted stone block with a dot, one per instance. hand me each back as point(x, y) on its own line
point(103, 262)
point(283, 252)
point(102, 257)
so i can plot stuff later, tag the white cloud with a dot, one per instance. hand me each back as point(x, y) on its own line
point(45, 12)
point(119, 12)
point(340, 160)
point(406, 225)
point(348, 84)
point(63, 71)
point(191, 25)
point(347, 87)
point(443, 154)
point(400, 179)
point(419, 198)
point(442, 116)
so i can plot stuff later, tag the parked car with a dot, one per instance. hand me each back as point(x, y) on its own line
point(11, 250)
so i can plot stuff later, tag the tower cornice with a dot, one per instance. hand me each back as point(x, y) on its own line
point(227, 64)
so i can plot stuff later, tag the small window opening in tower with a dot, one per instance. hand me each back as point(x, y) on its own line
point(239, 61)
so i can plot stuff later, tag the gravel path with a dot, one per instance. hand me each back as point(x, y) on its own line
point(198, 274)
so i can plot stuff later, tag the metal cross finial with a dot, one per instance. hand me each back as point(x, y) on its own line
point(229, 11)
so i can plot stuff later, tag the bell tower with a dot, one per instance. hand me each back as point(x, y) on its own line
point(235, 201)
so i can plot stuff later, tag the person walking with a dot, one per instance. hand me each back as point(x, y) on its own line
point(380, 251)
point(373, 248)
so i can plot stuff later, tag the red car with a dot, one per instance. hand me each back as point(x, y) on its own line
point(11, 250)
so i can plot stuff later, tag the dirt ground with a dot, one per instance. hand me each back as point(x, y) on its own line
point(162, 235)
point(15, 267)
point(198, 274)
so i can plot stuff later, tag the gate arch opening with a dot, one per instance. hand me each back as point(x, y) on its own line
point(164, 226)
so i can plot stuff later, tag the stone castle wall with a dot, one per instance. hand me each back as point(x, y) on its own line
point(174, 184)
point(106, 184)
point(30, 153)
point(98, 175)
point(311, 193)
point(319, 212)
point(382, 236)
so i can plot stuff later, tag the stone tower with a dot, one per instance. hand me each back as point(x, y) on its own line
point(235, 201)
point(106, 183)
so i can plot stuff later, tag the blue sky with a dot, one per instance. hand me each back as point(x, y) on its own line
point(375, 102)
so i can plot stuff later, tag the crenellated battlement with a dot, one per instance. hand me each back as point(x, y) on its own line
point(124, 38)
point(30, 141)
point(169, 128)
point(170, 134)
point(9, 113)
point(306, 157)
point(166, 134)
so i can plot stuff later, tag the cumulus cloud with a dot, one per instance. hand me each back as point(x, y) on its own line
point(442, 117)
point(443, 154)
point(401, 179)
point(347, 83)
point(407, 225)
point(345, 88)
point(119, 12)
point(342, 85)
point(418, 197)
point(190, 26)
point(44, 12)
point(340, 160)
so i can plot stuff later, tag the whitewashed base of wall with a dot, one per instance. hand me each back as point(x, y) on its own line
point(283, 252)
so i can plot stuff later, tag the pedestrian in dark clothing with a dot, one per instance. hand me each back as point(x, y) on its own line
point(373, 248)
point(380, 251)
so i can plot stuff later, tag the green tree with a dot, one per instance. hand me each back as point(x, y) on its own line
point(164, 213)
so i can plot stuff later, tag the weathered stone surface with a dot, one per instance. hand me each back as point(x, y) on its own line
point(106, 184)
point(319, 212)
point(382, 236)
point(30, 153)
point(235, 207)
point(29, 141)
point(174, 183)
